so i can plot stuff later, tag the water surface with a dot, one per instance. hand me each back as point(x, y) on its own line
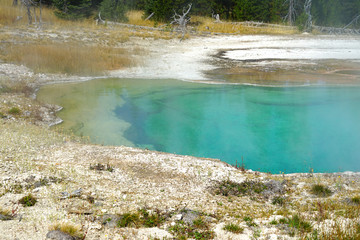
point(273, 129)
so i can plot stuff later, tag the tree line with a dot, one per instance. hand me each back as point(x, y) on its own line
point(335, 13)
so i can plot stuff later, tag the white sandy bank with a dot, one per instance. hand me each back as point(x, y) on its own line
point(187, 60)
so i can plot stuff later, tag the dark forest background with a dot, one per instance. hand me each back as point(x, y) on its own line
point(335, 13)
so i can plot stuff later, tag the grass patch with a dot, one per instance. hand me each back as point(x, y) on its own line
point(182, 231)
point(28, 201)
point(250, 222)
point(300, 224)
point(320, 190)
point(69, 58)
point(14, 111)
point(248, 187)
point(277, 200)
point(233, 228)
point(142, 218)
point(356, 200)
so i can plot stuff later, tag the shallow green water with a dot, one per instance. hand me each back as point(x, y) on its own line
point(273, 129)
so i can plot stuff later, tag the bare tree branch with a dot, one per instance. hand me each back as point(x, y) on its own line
point(307, 9)
point(354, 21)
point(291, 15)
point(152, 14)
point(182, 20)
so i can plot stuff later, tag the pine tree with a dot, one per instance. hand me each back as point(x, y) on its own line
point(113, 10)
point(72, 9)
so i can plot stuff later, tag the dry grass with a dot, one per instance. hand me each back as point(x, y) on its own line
point(68, 228)
point(206, 24)
point(68, 58)
point(9, 14)
point(137, 18)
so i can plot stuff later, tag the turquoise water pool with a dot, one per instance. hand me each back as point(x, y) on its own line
point(282, 129)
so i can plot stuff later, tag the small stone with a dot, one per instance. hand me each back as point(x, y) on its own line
point(178, 217)
point(189, 216)
point(110, 220)
point(4, 217)
point(59, 235)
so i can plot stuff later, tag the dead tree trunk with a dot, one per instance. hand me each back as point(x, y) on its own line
point(290, 16)
point(152, 14)
point(182, 20)
point(34, 8)
point(307, 9)
point(40, 13)
point(353, 22)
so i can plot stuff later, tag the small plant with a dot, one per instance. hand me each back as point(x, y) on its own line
point(250, 222)
point(129, 220)
point(184, 231)
point(278, 201)
point(5, 215)
point(141, 219)
point(356, 200)
point(300, 224)
point(240, 166)
point(321, 190)
point(2, 115)
point(227, 188)
point(28, 201)
point(274, 222)
point(102, 167)
point(283, 221)
point(199, 223)
point(151, 220)
point(233, 228)
point(14, 111)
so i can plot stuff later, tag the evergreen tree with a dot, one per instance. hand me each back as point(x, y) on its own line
point(72, 9)
point(113, 10)
point(164, 9)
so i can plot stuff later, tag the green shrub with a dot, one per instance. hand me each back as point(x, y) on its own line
point(129, 220)
point(321, 190)
point(28, 201)
point(356, 200)
point(278, 201)
point(233, 228)
point(14, 111)
point(250, 222)
point(141, 219)
point(227, 188)
point(300, 224)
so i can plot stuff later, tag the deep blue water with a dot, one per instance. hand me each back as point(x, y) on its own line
point(287, 129)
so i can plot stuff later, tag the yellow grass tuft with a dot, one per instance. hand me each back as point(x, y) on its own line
point(138, 18)
point(207, 24)
point(67, 228)
point(69, 58)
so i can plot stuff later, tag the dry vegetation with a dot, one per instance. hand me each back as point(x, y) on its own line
point(69, 58)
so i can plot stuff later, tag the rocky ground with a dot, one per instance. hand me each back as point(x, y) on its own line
point(58, 186)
